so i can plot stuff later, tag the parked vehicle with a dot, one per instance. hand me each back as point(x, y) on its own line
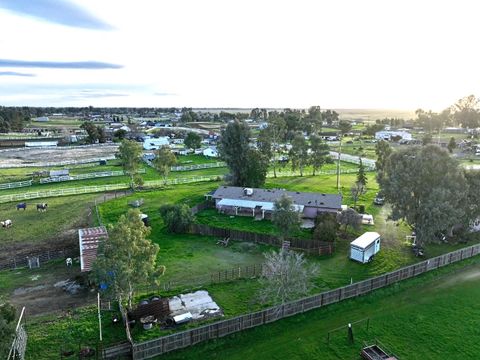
point(379, 199)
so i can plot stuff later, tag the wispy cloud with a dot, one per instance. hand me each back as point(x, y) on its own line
point(58, 64)
point(14, 73)
point(164, 94)
point(56, 11)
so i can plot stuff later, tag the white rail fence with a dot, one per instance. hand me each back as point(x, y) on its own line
point(92, 175)
point(17, 184)
point(59, 163)
point(368, 163)
point(198, 166)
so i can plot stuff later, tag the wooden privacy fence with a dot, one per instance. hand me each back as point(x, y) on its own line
point(308, 245)
point(159, 346)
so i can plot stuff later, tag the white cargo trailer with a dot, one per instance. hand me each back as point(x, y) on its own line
point(363, 248)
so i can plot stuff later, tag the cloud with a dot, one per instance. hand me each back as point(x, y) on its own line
point(14, 73)
point(59, 64)
point(164, 94)
point(61, 12)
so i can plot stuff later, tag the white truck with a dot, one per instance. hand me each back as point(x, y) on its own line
point(364, 248)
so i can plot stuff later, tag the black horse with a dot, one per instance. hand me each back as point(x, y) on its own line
point(22, 206)
point(42, 207)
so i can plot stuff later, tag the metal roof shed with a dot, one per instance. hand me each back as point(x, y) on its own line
point(89, 239)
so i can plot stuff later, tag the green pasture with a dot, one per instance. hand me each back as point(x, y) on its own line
point(434, 316)
point(34, 227)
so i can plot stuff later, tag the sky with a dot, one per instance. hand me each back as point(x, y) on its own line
point(239, 53)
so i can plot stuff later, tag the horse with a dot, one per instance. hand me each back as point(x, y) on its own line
point(6, 223)
point(22, 206)
point(42, 207)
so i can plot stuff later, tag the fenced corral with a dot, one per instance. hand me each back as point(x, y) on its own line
point(156, 347)
point(38, 258)
point(217, 277)
point(92, 175)
point(308, 245)
point(198, 166)
point(17, 184)
point(103, 188)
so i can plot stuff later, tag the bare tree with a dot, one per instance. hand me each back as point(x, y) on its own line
point(349, 217)
point(286, 276)
point(357, 190)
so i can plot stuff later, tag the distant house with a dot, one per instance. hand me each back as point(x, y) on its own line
point(259, 203)
point(155, 143)
point(211, 152)
point(42, 119)
point(390, 134)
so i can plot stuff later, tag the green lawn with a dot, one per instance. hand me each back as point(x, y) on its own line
point(434, 316)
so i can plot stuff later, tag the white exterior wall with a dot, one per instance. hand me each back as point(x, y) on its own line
point(387, 135)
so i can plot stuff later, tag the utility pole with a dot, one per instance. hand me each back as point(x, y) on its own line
point(338, 164)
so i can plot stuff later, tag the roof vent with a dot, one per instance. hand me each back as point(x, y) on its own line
point(248, 191)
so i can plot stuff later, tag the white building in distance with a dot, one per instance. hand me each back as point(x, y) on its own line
point(155, 143)
point(388, 135)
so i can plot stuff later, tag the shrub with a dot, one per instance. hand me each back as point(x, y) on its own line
point(326, 227)
point(177, 218)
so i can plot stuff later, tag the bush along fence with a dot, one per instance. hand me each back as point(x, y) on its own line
point(310, 246)
point(162, 345)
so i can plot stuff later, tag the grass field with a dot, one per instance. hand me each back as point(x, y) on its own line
point(434, 316)
point(32, 227)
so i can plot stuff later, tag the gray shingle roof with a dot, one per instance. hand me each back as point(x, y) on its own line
point(318, 200)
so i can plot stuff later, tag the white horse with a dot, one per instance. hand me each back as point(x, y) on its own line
point(6, 224)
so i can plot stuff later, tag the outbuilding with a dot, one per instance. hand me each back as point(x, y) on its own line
point(364, 248)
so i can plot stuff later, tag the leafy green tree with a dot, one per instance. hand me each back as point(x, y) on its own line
point(330, 116)
point(451, 145)
point(299, 153)
point(344, 126)
point(256, 169)
point(7, 328)
point(326, 227)
point(473, 196)
point(319, 154)
point(349, 217)
point(128, 261)
point(94, 133)
point(466, 112)
point(383, 151)
point(286, 276)
point(177, 217)
point(270, 138)
point(286, 217)
point(427, 188)
point(357, 190)
point(370, 130)
point(193, 140)
point(427, 139)
point(234, 148)
point(129, 153)
point(361, 175)
point(164, 160)
point(120, 134)
point(314, 119)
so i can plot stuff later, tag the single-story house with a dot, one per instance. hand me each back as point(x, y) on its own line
point(388, 135)
point(259, 203)
point(210, 152)
point(155, 143)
